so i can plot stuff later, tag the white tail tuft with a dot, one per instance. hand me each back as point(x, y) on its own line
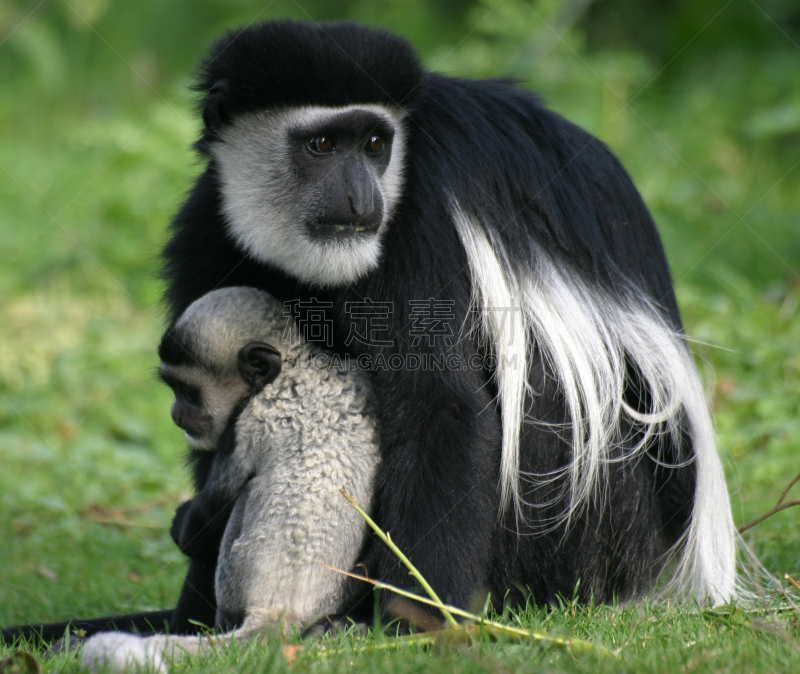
point(117, 652)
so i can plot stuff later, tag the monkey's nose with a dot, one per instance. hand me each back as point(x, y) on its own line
point(362, 208)
point(175, 413)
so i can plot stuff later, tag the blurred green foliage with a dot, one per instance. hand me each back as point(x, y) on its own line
point(701, 101)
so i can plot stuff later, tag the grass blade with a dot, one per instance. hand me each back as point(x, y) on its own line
point(406, 561)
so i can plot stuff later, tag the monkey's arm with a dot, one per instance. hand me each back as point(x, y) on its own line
point(200, 523)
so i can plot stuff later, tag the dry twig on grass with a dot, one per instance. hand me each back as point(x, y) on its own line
point(780, 505)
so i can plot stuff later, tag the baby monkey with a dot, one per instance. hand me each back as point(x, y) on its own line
point(285, 434)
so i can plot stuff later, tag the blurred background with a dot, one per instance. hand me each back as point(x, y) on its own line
point(699, 98)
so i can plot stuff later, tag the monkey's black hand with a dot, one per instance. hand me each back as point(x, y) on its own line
point(198, 527)
point(179, 521)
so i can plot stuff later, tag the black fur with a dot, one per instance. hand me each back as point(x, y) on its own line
point(200, 523)
point(175, 350)
point(332, 65)
point(142, 623)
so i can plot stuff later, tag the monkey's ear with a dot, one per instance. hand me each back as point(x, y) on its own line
point(259, 364)
point(213, 110)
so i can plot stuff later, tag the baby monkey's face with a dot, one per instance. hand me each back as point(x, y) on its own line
point(204, 401)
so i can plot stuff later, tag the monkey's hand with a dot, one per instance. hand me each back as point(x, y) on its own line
point(179, 521)
point(198, 526)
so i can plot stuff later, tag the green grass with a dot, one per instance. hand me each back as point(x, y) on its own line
point(87, 187)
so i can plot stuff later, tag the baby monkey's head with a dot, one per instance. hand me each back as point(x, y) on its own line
point(219, 352)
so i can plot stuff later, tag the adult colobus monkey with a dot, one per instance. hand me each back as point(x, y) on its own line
point(566, 439)
point(562, 434)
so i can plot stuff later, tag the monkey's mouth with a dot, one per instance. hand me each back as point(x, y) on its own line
point(336, 231)
point(199, 441)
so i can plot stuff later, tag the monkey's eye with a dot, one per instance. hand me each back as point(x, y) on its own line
point(189, 393)
point(321, 145)
point(375, 145)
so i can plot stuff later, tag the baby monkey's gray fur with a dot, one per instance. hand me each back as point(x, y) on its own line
point(307, 434)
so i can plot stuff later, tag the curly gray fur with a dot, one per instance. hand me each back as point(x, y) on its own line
point(306, 436)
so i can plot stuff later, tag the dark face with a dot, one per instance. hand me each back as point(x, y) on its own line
point(203, 403)
point(187, 410)
point(311, 190)
point(339, 164)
